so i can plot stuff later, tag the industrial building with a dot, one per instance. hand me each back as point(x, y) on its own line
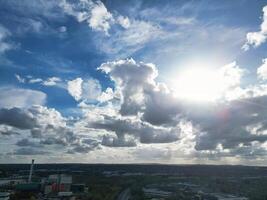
point(54, 186)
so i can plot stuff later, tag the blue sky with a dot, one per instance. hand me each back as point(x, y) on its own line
point(133, 81)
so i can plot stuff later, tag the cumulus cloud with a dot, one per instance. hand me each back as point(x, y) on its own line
point(121, 141)
point(255, 39)
point(228, 124)
point(139, 110)
point(106, 95)
point(151, 112)
point(48, 117)
point(100, 17)
point(251, 152)
point(231, 75)
point(127, 129)
point(41, 122)
point(84, 146)
point(7, 130)
point(140, 93)
point(17, 117)
point(136, 108)
point(91, 89)
point(80, 89)
point(132, 78)
point(75, 88)
point(30, 118)
point(47, 128)
point(18, 97)
point(168, 106)
point(87, 90)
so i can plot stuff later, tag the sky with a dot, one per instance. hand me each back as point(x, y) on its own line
point(138, 81)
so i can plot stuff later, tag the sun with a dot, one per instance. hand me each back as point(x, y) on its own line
point(199, 85)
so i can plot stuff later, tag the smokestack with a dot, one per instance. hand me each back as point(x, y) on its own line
point(31, 171)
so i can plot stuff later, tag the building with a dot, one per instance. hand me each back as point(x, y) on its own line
point(58, 183)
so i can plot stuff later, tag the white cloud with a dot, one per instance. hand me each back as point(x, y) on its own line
point(122, 141)
point(160, 113)
point(106, 95)
point(131, 39)
point(124, 21)
point(231, 75)
point(100, 18)
point(6, 130)
point(75, 88)
point(19, 78)
point(139, 32)
point(35, 80)
point(86, 90)
point(47, 116)
point(91, 89)
point(18, 97)
point(255, 39)
point(131, 79)
point(127, 129)
point(262, 70)
point(52, 81)
point(4, 45)
point(47, 127)
point(141, 111)
point(95, 14)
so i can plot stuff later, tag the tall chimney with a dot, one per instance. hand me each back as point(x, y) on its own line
point(31, 171)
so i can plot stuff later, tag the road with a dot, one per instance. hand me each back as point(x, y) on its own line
point(125, 194)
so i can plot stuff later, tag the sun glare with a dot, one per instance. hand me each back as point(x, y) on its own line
point(200, 85)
